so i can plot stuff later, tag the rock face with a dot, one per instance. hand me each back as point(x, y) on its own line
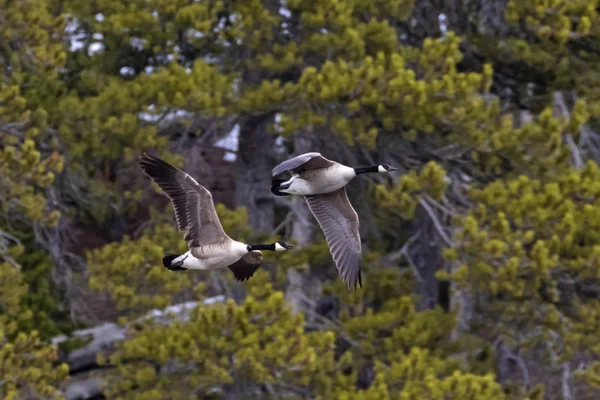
point(85, 382)
point(86, 387)
point(101, 338)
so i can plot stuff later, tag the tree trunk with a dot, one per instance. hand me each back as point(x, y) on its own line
point(304, 223)
point(461, 302)
point(427, 258)
point(253, 173)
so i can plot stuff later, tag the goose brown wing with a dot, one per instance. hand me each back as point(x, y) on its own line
point(246, 266)
point(306, 161)
point(339, 222)
point(193, 203)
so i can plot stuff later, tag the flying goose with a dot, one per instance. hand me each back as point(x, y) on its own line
point(322, 182)
point(209, 246)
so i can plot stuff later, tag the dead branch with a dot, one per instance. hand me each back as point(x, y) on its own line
point(390, 257)
point(412, 266)
point(439, 206)
point(283, 224)
point(293, 207)
point(575, 152)
point(566, 377)
point(519, 360)
point(436, 222)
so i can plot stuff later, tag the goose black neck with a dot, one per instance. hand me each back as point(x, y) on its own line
point(366, 170)
point(252, 247)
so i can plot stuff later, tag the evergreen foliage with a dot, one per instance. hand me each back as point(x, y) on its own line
point(494, 119)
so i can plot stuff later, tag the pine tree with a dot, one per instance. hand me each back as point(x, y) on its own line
point(494, 122)
point(30, 54)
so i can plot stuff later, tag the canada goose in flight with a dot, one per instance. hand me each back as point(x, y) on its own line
point(209, 246)
point(322, 182)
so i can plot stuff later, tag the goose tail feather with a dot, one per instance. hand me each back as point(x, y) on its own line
point(168, 262)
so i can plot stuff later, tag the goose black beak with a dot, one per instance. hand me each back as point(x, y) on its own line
point(392, 169)
point(287, 246)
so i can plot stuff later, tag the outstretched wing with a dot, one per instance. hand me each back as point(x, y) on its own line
point(339, 223)
point(192, 202)
point(302, 162)
point(246, 266)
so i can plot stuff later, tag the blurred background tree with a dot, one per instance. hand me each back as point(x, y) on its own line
point(480, 256)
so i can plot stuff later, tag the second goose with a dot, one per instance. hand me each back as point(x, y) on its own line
point(322, 182)
point(209, 246)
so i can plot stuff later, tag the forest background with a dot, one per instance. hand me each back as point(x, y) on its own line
point(481, 271)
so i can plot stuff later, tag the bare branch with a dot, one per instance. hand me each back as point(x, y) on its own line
point(575, 152)
point(562, 110)
point(519, 360)
point(283, 224)
point(559, 102)
point(436, 222)
point(397, 253)
point(306, 393)
point(404, 251)
point(6, 237)
point(271, 390)
point(293, 207)
point(438, 205)
point(10, 237)
point(566, 377)
point(412, 266)
point(328, 321)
